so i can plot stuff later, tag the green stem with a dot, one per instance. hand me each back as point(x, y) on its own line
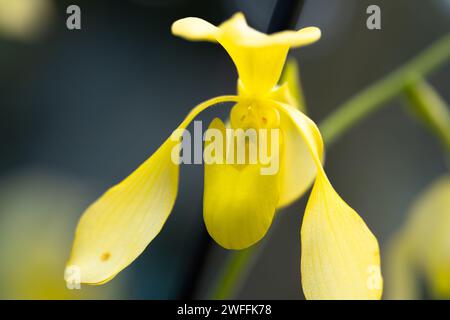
point(431, 109)
point(237, 265)
point(375, 96)
point(340, 121)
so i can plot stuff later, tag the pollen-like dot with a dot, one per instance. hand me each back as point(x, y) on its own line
point(264, 120)
point(243, 118)
point(105, 256)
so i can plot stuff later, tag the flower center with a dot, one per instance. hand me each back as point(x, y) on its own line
point(254, 114)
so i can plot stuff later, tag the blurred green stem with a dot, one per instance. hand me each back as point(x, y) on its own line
point(346, 115)
point(238, 264)
point(376, 95)
point(431, 109)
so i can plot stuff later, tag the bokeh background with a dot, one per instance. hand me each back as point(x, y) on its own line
point(79, 110)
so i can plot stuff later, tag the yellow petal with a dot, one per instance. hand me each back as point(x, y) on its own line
point(438, 259)
point(116, 228)
point(291, 80)
point(194, 29)
point(410, 259)
point(25, 19)
point(302, 37)
point(239, 202)
point(259, 58)
point(430, 219)
point(298, 168)
point(340, 256)
point(401, 270)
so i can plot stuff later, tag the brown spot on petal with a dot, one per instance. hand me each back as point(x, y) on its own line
point(105, 256)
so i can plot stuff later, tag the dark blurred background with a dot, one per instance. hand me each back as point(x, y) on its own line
point(88, 106)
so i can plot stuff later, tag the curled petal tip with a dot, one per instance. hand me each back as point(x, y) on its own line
point(193, 28)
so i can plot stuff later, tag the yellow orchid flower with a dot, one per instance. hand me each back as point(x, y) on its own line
point(421, 249)
point(340, 256)
point(24, 19)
